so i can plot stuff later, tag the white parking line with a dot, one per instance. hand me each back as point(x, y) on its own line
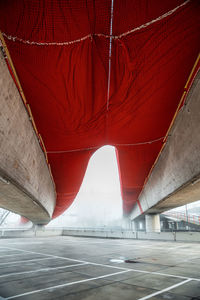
point(28, 260)
point(66, 284)
point(7, 255)
point(108, 266)
point(42, 270)
point(71, 259)
point(3, 250)
point(165, 274)
point(165, 290)
point(23, 243)
point(176, 276)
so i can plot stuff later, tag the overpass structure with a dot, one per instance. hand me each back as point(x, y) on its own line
point(76, 77)
point(175, 178)
point(189, 218)
point(26, 186)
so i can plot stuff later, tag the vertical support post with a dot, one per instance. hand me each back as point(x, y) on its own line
point(187, 219)
point(152, 223)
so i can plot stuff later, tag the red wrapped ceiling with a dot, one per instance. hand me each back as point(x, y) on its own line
point(100, 73)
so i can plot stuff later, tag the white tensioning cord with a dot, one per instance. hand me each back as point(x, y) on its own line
point(97, 147)
point(110, 54)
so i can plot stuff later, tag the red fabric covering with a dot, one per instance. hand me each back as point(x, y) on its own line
point(66, 86)
point(23, 220)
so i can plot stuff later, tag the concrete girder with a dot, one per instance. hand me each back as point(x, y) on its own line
point(26, 186)
point(175, 179)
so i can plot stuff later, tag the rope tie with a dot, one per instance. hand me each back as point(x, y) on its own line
point(90, 36)
point(92, 148)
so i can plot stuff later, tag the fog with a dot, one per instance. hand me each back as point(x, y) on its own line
point(99, 201)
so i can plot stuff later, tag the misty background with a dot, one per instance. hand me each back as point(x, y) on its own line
point(99, 202)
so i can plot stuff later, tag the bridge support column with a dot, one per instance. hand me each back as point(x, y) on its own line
point(152, 223)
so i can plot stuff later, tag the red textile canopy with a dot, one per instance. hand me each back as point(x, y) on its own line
point(100, 73)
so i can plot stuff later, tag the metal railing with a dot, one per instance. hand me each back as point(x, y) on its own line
point(187, 217)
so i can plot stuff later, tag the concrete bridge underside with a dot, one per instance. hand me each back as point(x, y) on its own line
point(175, 179)
point(26, 186)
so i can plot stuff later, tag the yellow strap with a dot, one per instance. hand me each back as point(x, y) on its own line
point(174, 117)
point(12, 67)
point(51, 176)
point(32, 119)
point(44, 149)
point(172, 122)
point(24, 100)
point(196, 62)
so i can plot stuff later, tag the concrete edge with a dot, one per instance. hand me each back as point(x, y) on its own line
point(26, 182)
point(29, 196)
point(190, 237)
point(153, 199)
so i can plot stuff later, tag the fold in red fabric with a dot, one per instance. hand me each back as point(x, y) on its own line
point(60, 50)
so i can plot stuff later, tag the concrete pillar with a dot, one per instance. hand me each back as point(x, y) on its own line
point(38, 227)
point(133, 225)
point(152, 223)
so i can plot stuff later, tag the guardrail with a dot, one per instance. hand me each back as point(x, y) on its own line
point(190, 218)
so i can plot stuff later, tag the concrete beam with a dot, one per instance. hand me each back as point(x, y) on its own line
point(175, 179)
point(26, 186)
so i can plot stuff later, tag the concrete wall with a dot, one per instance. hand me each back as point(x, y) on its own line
point(124, 234)
point(175, 179)
point(138, 235)
point(6, 233)
point(97, 233)
point(26, 186)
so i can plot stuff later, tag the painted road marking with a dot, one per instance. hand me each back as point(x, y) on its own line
point(28, 260)
point(108, 266)
point(72, 259)
point(3, 250)
point(42, 270)
point(165, 290)
point(66, 284)
point(22, 243)
point(14, 254)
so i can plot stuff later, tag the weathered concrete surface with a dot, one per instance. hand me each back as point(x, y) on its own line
point(27, 233)
point(75, 268)
point(98, 233)
point(152, 223)
point(26, 186)
point(175, 179)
